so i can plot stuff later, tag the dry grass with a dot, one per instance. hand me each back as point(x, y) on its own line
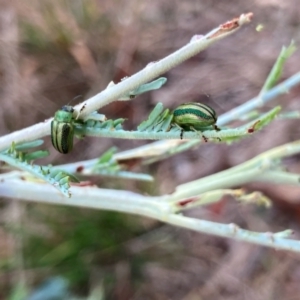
point(52, 51)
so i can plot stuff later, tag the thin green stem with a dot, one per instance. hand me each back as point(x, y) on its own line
point(150, 72)
point(157, 208)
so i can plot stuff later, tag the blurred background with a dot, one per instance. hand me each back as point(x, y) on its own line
point(53, 51)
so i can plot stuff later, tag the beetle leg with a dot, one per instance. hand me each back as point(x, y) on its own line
point(216, 127)
point(181, 133)
point(203, 136)
point(181, 130)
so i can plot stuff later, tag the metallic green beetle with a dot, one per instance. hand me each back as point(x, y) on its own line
point(62, 129)
point(193, 115)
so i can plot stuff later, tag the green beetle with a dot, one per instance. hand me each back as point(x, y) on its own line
point(62, 129)
point(193, 115)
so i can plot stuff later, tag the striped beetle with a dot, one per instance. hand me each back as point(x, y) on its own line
point(62, 129)
point(193, 115)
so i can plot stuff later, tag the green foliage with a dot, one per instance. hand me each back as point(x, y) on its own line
point(78, 240)
point(156, 117)
point(161, 120)
point(108, 124)
point(19, 292)
point(277, 69)
point(23, 160)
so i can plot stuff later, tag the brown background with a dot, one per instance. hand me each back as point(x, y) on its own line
point(53, 51)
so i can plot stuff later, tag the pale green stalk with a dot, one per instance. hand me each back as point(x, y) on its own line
point(154, 207)
point(110, 94)
point(264, 167)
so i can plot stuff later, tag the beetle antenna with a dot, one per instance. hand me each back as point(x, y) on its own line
point(76, 97)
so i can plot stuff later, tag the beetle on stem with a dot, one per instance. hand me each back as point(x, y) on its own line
point(194, 115)
point(62, 129)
